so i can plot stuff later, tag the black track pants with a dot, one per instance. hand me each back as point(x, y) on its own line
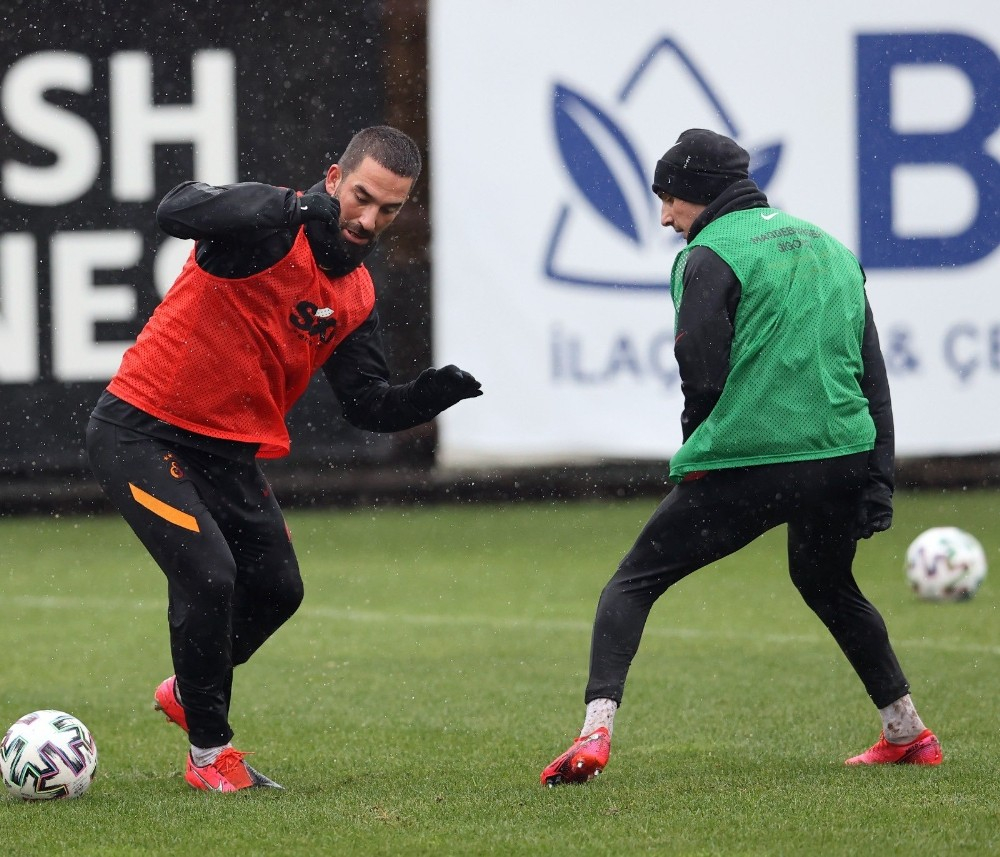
point(214, 528)
point(704, 520)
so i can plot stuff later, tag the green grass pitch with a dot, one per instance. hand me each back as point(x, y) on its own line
point(438, 664)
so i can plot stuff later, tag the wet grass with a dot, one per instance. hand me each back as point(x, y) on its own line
point(438, 663)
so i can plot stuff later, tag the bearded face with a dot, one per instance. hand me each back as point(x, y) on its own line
point(334, 253)
point(370, 197)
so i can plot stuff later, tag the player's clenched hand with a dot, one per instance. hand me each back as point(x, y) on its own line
point(319, 206)
point(439, 389)
point(872, 517)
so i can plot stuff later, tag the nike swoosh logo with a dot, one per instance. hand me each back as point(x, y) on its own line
point(208, 786)
point(769, 216)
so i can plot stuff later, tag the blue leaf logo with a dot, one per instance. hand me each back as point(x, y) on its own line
point(607, 236)
point(602, 163)
point(763, 163)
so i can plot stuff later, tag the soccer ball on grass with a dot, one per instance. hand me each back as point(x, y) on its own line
point(945, 564)
point(48, 754)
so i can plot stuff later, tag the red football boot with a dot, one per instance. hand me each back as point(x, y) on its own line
point(228, 773)
point(925, 749)
point(582, 762)
point(165, 700)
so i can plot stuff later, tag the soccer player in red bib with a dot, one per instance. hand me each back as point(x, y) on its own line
point(274, 289)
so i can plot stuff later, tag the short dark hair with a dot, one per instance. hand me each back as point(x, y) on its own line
point(389, 147)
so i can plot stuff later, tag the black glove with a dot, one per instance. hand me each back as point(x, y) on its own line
point(874, 516)
point(319, 206)
point(438, 389)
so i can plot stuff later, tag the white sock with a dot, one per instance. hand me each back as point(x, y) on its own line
point(202, 756)
point(600, 712)
point(900, 721)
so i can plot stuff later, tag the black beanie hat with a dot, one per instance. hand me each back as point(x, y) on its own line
point(700, 165)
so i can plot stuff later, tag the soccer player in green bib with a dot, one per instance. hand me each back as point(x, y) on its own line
point(787, 420)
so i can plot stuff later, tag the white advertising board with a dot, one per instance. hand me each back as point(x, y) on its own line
point(879, 122)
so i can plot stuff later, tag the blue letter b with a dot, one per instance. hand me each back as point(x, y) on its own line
point(880, 149)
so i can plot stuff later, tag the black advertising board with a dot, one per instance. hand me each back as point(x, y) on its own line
point(103, 108)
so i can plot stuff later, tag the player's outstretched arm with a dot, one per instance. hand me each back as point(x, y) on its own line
point(359, 375)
